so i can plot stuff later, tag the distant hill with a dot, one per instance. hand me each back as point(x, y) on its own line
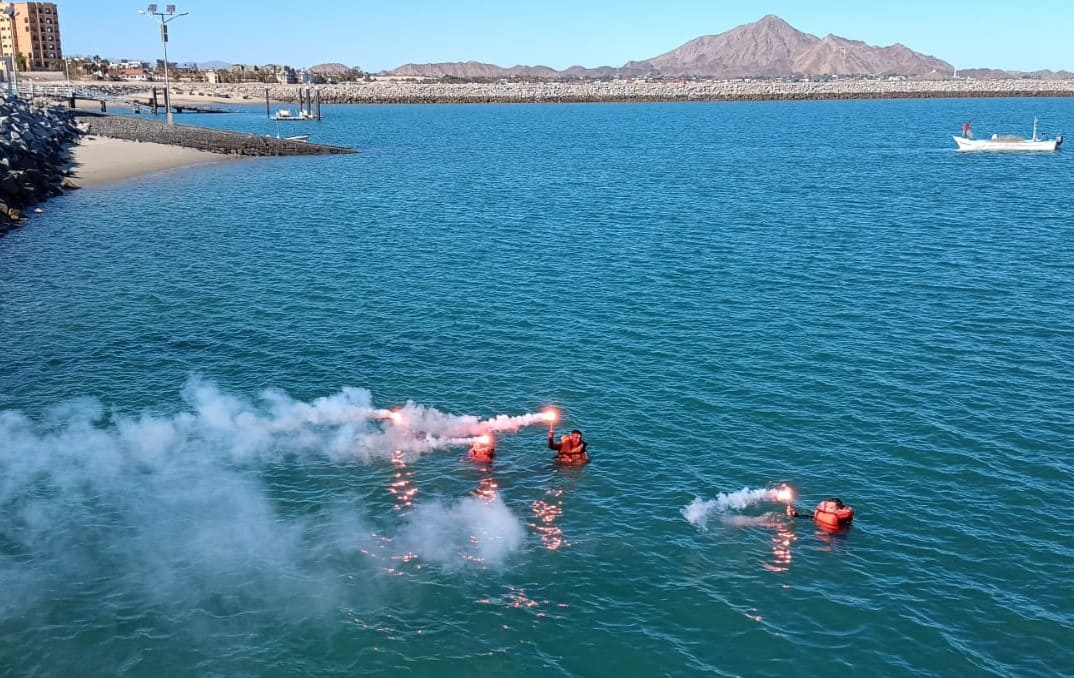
point(839, 56)
point(997, 74)
point(330, 69)
point(768, 48)
point(473, 70)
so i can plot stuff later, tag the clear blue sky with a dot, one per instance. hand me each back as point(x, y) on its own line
point(558, 33)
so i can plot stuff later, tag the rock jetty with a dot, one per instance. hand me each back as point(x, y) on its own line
point(199, 138)
point(34, 154)
point(381, 90)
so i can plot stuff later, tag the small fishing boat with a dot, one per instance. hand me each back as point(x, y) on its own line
point(1008, 142)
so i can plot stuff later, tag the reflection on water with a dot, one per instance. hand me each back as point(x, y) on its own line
point(486, 489)
point(783, 539)
point(402, 486)
point(517, 598)
point(546, 512)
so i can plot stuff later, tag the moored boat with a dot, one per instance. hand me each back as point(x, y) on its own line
point(288, 114)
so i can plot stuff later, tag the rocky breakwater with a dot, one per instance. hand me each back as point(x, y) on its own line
point(385, 90)
point(391, 90)
point(200, 138)
point(34, 156)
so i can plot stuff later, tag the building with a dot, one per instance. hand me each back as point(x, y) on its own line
point(32, 30)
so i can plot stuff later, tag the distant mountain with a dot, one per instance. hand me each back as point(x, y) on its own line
point(330, 69)
point(997, 74)
point(213, 65)
point(838, 56)
point(769, 48)
point(765, 48)
point(473, 70)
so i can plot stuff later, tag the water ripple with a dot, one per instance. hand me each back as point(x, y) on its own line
point(881, 319)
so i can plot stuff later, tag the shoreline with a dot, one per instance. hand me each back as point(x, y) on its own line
point(104, 159)
point(98, 161)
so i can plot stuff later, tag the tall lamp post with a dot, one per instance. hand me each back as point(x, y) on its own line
point(167, 15)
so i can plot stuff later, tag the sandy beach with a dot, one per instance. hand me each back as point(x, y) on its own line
point(100, 160)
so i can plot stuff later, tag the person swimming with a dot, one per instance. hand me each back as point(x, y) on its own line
point(571, 450)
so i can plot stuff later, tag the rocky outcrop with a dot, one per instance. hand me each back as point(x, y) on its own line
point(34, 154)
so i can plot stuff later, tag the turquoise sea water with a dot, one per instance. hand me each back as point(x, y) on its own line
point(723, 297)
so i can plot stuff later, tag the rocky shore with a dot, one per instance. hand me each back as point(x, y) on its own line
point(386, 91)
point(35, 148)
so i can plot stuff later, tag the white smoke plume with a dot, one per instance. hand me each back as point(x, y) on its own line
point(175, 507)
point(699, 511)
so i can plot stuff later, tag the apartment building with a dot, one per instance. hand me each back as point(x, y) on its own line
point(31, 29)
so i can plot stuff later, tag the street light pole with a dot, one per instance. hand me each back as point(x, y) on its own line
point(167, 15)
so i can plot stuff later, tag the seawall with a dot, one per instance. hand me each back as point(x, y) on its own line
point(381, 90)
point(200, 138)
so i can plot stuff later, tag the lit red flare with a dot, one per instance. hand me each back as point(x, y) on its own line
point(550, 415)
point(784, 494)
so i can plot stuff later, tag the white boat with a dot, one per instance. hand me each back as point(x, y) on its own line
point(288, 114)
point(1009, 142)
point(296, 137)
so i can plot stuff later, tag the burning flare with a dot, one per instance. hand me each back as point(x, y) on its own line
point(783, 494)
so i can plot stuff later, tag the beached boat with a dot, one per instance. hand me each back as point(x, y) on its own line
point(1008, 142)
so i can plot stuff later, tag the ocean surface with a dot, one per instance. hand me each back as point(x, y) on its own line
point(201, 475)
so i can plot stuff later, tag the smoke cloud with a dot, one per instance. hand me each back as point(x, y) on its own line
point(178, 508)
point(699, 511)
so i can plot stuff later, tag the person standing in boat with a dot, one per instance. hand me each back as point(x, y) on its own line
point(966, 131)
